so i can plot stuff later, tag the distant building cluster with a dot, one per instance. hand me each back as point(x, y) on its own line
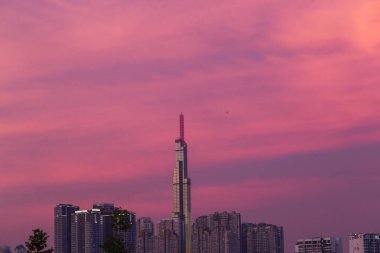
point(17, 249)
point(85, 231)
point(357, 243)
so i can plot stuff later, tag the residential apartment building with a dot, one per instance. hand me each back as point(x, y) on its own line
point(262, 238)
point(364, 243)
point(145, 235)
point(62, 227)
point(319, 245)
point(217, 233)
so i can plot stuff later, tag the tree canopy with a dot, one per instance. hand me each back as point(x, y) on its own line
point(37, 242)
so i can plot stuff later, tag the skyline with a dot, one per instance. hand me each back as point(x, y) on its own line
point(281, 99)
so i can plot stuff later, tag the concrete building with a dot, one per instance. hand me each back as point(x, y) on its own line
point(181, 192)
point(86, 231)
point(217, 233)
point(145, 235)
point(106, 211)
point(319, 245)
point(167, 239)
point(129, 237)
point(262, 238)
point(364, 243)
point(62, 227)
point(201, 235)
point(90, 229)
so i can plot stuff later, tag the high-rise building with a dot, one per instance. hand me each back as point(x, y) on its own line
point(167, 239)
point(106, 231)
point(319, 245)
point(86, 231)
point(145, 235)
point(129, 236)
point(201, 235)
point(217, 233)
point(106, 211)
point(62, 227)
point(364, 243)
point(262, 238)
point(181, 192)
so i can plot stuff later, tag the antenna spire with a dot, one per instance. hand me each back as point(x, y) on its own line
point(181, 127)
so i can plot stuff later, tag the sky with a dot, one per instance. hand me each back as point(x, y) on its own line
point(281, 102)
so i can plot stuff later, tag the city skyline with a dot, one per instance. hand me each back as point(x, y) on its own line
point(281, 102)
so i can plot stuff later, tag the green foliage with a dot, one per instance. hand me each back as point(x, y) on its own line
point(114, 245)
point(121, 221)
point(37, 242)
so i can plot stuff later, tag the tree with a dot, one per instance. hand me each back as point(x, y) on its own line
point(114, 245)
point(121, 222)
point(37, 242)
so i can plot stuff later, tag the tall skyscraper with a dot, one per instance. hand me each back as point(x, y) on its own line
point(319, 245)
point(262, 238)
point(364, 243)
point(181, 191)
point(62, 227)
point(217, 233)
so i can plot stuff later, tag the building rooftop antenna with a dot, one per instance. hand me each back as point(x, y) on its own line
point(181, 127)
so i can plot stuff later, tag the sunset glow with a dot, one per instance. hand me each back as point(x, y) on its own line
point(281, 98)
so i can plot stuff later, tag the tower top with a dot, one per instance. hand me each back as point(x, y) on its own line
point(181, 127)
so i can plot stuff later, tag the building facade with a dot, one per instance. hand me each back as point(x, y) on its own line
point(106, 231)
point(201, 235)
point(319, 245)
point(181, 192)
point(262, 238)
point(364, 243)
point(86, 231)
point(129, 236)
point(106, 211)
point(145, 235)
point(90, 229)
point(217, 233)
point(167, 239)
point(62, 227)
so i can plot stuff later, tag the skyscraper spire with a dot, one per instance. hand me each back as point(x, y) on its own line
point(181, 127)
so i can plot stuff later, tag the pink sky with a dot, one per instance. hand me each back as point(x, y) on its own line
point(281, 102)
